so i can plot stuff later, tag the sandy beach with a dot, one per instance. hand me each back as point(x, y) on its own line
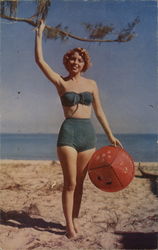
point(32, 217)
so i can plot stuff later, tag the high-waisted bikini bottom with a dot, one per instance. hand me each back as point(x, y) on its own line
point(77, 133)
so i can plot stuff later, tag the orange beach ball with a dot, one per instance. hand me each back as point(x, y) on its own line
point(111, 169)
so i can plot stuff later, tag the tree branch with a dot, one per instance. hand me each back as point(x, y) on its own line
point(18, 19)
point(66, 34)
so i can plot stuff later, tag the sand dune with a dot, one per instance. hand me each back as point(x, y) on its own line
point(32, 218)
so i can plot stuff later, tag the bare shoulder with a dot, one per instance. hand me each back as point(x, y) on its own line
point(94, 84)
point(91, 83)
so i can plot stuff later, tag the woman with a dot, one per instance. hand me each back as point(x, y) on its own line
point(76, 140)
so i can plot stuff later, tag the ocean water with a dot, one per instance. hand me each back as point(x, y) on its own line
point(142, 147)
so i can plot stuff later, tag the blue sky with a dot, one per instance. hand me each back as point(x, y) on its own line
point(125, 72)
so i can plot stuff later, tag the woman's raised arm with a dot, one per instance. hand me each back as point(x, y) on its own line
point(102, 117)
point(54, 77)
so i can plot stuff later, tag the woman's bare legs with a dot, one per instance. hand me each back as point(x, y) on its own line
point(82, 161)
point(74, 172)
point(68, 158)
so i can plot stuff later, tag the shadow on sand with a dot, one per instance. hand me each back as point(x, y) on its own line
point(154, 186)
point(24, 220)
point(153, 183)
point(137, 240)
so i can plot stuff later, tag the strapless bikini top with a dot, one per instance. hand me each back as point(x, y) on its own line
point(73, 98)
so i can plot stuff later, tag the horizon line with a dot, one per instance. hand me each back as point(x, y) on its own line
point(51, 133)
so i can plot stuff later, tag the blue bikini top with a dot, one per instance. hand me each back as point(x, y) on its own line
point(73, 98)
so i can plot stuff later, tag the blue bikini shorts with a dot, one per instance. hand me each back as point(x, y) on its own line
point(77, 133)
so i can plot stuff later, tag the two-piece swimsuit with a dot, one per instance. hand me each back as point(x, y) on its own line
point(77, 132)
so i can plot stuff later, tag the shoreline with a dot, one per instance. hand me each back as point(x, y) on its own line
point(7, 161)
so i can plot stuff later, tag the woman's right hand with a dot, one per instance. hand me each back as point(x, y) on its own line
point(40, 26)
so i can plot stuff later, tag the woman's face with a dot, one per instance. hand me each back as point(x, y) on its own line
point(75, 63)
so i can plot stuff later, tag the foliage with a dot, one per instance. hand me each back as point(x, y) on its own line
point(98, 30)
point(42, 9)
point(9, 7)
point(55, 32)
point(127, 33)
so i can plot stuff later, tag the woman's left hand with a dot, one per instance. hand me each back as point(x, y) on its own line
point(115, 141)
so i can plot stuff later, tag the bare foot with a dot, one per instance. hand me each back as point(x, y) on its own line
point(76, 226)
point(70, 234)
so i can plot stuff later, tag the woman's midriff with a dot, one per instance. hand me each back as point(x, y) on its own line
point(78, 111)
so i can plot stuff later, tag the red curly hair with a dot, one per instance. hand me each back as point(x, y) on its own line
point(83, 53)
